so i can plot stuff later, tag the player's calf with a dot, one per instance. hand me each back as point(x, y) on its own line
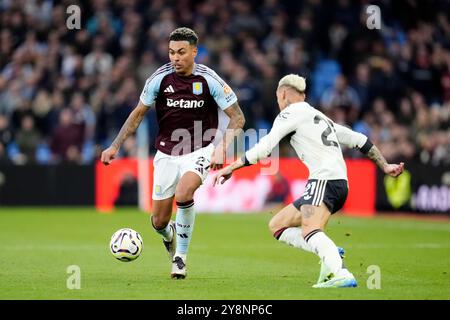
point(162, 227)
point(171, 245)
point(293, 237)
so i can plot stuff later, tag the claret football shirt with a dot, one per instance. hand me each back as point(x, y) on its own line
point(186, 107)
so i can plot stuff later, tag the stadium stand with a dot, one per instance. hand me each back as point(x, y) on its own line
point(64, 94)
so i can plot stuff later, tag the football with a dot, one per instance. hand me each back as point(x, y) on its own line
point(126, 244)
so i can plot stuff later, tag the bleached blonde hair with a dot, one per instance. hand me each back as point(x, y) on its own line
point(294, 81)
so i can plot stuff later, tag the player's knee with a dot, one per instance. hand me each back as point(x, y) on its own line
point(159, 222)
point(306, 230)
point(274, 225)
point(307, 227)
point(184, 194)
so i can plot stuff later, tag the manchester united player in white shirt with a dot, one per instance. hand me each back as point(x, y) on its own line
point(316, 140)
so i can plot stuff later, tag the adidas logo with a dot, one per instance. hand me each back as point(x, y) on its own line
point(169, 89)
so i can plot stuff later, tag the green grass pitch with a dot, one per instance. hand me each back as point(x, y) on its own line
point(231, 257)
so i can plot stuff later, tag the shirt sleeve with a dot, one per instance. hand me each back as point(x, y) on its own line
point(285, 123)
point(151, 88)
point(219, 90)
point(349, 137)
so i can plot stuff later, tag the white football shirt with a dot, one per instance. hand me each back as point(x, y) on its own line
point(316, 141)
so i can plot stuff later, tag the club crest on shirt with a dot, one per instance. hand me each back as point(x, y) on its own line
point(197, 88)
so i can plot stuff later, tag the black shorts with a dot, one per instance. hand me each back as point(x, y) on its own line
point(331, 192)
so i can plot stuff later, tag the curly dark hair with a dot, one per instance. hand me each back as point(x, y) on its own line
point(184, 34)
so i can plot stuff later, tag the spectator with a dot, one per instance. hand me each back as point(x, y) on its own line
point(248, 94)
point(27, 139)
point(279, 191)
point(362, 85)
point(341, 96)
point(67, 136)
point(6, 134)
point(128, 191)
point(99, 70)
point(83, 115)
point(98, 61)
point(4, 159)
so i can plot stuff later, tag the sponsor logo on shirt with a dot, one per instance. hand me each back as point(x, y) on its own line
point(189, 104)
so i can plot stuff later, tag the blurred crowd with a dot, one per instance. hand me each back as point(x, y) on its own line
point(64, 94)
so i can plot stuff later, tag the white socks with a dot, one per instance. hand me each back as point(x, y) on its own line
point(293, 237)
point(184, 224)
point(317, 242)
point(165, 232)
point(325, 248)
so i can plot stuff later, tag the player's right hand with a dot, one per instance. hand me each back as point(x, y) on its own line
point(108, 155)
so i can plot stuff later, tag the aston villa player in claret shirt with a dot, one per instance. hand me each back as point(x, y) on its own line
point(187, 97)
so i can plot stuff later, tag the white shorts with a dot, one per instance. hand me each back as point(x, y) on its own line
point(169, 169)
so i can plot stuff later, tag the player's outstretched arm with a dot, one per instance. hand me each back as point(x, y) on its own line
point(128, 128)
point(394, 170)
point(357, 140)
point(284, 124)
point(237, 121)
point(226, 172)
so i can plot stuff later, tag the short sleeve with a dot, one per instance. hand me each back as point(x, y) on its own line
point(152, 85)
point(223, 95)
point(219, 89)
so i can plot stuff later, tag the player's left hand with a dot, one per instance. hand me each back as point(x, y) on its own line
point(394, 170)
point(224, 173)
point(217, 159)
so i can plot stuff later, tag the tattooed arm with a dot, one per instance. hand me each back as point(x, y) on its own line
point(128, 128)
point(237, 122)
point(353, 139)
point(375, 155)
